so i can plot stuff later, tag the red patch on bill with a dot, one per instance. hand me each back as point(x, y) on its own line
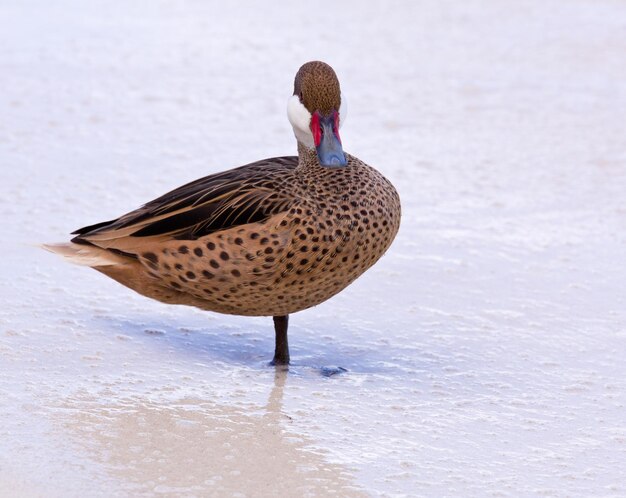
point(336, 125)
point(316, 128)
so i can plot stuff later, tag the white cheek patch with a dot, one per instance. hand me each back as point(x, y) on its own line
point(343, 110)
point(300, 119)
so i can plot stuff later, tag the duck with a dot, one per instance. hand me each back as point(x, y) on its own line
point(270, 238)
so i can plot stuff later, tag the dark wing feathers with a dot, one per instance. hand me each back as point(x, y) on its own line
point(243, 195)
point(92, 228)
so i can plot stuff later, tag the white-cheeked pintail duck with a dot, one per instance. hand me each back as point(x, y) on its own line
point(266, 239)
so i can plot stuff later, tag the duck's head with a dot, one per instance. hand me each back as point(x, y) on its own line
point(316, 112)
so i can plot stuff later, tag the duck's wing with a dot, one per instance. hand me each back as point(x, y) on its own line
point(248, 194)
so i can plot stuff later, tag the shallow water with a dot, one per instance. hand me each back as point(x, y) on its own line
point(485, 351)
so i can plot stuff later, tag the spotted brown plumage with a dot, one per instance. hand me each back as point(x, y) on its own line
point(267, 239)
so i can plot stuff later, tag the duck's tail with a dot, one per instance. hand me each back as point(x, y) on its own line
point(86, 255)
point(126, 269)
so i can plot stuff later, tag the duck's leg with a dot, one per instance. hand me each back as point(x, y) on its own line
point(281, 352)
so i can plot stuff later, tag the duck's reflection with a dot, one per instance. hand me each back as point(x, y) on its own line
point(196, 446)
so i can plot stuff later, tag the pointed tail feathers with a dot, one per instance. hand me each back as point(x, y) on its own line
point(86, 255)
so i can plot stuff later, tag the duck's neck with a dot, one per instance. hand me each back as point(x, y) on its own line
point(307, 158)
point(309, 166)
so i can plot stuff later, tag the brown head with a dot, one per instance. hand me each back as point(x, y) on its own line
point(317, 87)
point(316, 112)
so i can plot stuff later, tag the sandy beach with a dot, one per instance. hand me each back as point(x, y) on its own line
point(485, 351)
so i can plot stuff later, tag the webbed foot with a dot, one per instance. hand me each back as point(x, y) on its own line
point(329, 371)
